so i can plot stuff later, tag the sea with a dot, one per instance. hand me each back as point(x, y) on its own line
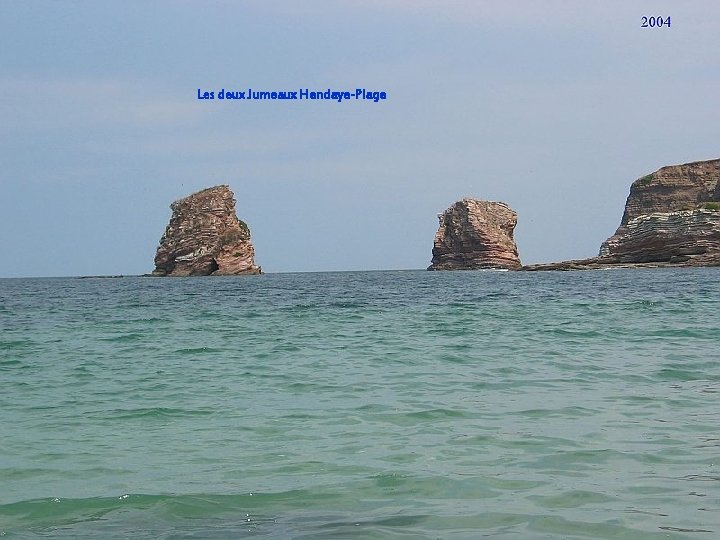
point(393, 404)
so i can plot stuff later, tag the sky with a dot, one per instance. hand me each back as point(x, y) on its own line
point(552, 107)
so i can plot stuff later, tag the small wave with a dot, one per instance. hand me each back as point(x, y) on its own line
point(146, 516)
point(429, 415)
point(701, 478)
point(299, 308)
point(676, 374)
point(158, 412)
point(681, 529)
point(348, 305)
point(15, 344)
point(437, 413)
point(571, 499)
point(10, 362)
point(564, 412)
point(123, 338)
point(695, 333)
point(197, 350)
point(575, 333)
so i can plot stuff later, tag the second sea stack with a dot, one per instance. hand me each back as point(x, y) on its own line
point(475, 235)
point(205, 237)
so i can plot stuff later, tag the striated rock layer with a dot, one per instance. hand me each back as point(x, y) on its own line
point(671, 218)
point(672, 189)
point(674, 237)
point(205, 237)
point(476, 234)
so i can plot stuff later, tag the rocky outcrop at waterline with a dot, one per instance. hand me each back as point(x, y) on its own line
point(671, 218)
point(475, 234)
point(205, 237)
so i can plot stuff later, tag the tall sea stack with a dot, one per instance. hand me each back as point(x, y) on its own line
point(475, 234)
point(205, 237)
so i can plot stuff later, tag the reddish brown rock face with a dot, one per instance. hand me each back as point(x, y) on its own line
point(476, 234)
point(669, 215)
point(671, 218)
point(673, 189)
point(205, 237)
point(667, 236)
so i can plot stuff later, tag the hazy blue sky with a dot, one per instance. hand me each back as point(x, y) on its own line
point(552, 107)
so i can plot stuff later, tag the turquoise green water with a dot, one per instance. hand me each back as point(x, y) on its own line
point(362, 405)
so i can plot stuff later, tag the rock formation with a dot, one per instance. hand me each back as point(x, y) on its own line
point(474, 235)
point(671, 218)
point(672, 189)
point(672, 237)
point(205, 237)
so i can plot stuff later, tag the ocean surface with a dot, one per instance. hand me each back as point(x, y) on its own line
point(404, 404)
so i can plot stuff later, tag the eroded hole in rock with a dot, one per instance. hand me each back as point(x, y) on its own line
point(213, 266)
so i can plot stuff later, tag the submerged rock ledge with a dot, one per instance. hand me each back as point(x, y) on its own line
point(598, 263)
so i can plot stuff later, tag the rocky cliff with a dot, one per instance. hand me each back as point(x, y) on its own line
point(672, 189)
point(669, 215)
point(205, 237)
point(672, 237)
point(671, 218)
point(476, 234)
